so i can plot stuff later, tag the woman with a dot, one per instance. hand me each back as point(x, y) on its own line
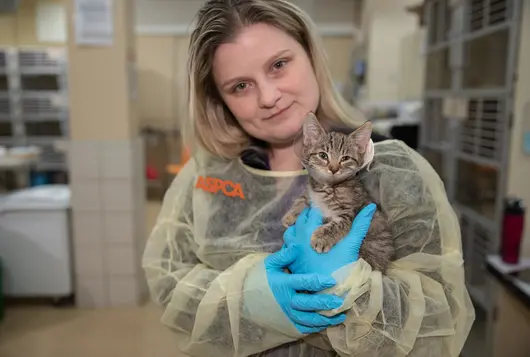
point(216, 259)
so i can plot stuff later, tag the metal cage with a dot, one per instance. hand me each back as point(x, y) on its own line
point(34, 101)
point(468, 147)
point(465, 131)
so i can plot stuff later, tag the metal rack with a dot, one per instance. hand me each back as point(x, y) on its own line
point(469, 89)
point(34, 102)
point(7, 124)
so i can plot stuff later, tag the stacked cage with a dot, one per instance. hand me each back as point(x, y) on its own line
point(8, 124)
point(471, 55)
point(34, 102)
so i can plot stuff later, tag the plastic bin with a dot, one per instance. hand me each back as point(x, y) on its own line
point(35, 231)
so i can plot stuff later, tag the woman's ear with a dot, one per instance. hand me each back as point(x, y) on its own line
point(361, 136)
point(312, 129)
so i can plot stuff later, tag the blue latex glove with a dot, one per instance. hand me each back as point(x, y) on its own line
point(301, 308)
point(346, 251)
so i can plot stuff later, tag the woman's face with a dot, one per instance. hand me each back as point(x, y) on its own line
point(266, 79)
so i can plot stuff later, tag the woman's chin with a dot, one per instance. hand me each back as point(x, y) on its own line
point(285, 134)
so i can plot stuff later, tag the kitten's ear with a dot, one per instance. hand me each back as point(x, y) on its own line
point(312, 129)
point(361, 136)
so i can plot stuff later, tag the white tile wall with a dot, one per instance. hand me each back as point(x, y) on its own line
point(108, 200)
point(119, 227)
point(88, 226)
point(117, 160)
point(86, 194)
point(89, 260)
point(120, 259)
point(84, 160)
point(117, 194)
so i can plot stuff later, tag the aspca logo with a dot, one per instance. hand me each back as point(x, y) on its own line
point(214, 185)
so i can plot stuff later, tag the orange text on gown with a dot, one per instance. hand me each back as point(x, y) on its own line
point(214, 185)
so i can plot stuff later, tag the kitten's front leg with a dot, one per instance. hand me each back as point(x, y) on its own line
point(330, 233)
point(298, 206)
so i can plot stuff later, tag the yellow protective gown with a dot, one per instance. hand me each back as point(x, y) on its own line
point(221, 218)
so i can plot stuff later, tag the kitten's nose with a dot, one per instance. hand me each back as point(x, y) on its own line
point(333, 168)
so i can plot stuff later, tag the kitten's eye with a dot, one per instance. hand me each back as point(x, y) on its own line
point(323, 155)
point(345, 158)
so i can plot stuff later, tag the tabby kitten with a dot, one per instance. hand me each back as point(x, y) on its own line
point(333, 161)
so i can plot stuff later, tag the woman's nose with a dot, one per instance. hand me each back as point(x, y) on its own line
point(269, 95)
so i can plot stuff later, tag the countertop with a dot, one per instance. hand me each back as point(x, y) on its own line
point(502, 271)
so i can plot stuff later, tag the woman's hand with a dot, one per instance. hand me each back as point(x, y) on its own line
point(301, 308)
point(346, 251)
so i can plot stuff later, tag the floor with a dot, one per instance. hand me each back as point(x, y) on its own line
point(38, 330)
point(44, 331)
point(49, 332)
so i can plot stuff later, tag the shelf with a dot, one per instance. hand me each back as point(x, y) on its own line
point(484, 19)
point(43, 60)
point(42, 106)
point(5, 108)
point(467, 144)
point(479, 160)
point(51, 166)
point(474, 216)
point(35, 118)
point(7, 141)
point(437, 47)
point(45, 140)
point(499, 92)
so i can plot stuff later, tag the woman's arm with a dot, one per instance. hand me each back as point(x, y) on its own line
point(408, 312)
point(212, 312)
point(421, 306)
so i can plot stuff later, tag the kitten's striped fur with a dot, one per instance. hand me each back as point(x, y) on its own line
point(333, 159)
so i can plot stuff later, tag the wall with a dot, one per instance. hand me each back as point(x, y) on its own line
point(156, 69)
point(20, 28)
point(179, 13)
point(385, 24)
point(411, 70)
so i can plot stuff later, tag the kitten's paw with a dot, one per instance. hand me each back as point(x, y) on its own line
point(288, 220)
point(321, 242)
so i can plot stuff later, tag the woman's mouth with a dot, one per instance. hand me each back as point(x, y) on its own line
point(279, 113)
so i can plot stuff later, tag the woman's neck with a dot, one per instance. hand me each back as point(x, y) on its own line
point(284, 158)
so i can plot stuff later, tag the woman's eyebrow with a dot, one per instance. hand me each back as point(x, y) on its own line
point(275, 56)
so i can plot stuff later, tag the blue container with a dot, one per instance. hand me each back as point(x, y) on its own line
point(39, 178)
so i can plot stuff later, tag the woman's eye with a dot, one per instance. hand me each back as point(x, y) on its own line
point(239, 87)
point(279, 64)
point(323, 155)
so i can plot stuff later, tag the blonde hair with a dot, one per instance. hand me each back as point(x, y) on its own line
point(210, 122)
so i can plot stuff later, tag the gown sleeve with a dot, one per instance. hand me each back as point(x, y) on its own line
point(420, 307)
point(212, 312)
